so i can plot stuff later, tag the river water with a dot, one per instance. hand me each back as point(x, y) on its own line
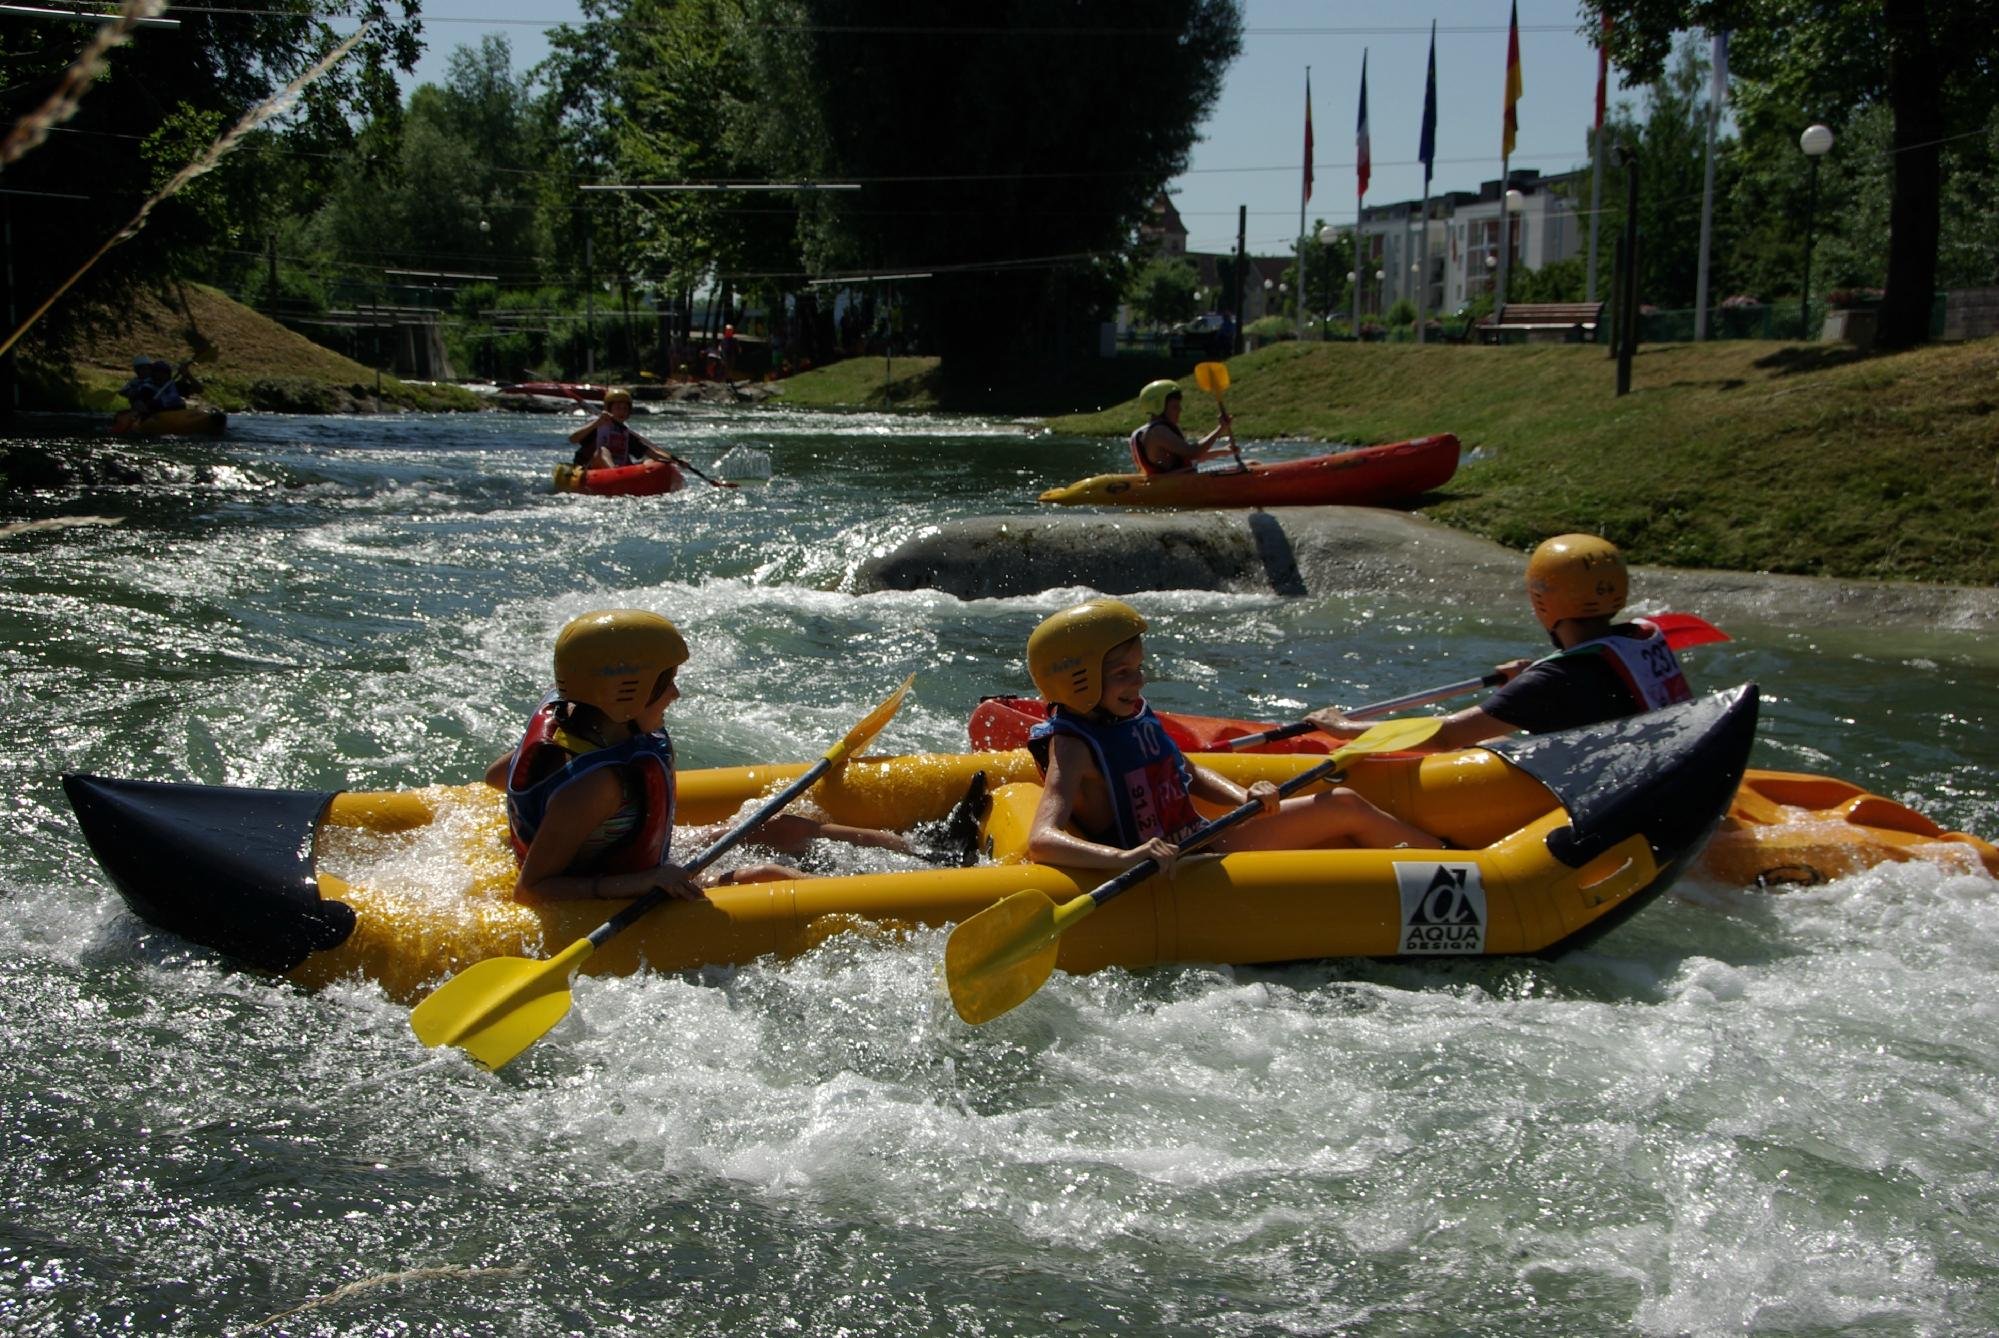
point(1741, 1112)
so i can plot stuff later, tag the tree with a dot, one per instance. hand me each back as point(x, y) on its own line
point(1163, 292)
point(1010, 150)
point(161, 100)
point(1928, 61)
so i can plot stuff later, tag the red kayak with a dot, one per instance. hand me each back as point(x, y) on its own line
point(1002, 723)
point(1371, 476)
point(647, 478)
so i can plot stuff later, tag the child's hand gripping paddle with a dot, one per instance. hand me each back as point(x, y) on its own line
point(1213, 377)
point(497, 1008)
point(997, 959)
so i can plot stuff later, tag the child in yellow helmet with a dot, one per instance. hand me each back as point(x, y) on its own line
point(591, 786)
point(1160, 447)
point(606, 442)
point(1116, 789)
point(1602, 669)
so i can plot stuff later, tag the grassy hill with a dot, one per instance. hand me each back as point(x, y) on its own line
point(245, 360)
point(1809, 459)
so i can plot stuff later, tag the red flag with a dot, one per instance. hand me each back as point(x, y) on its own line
point(1513, 87)
point(1308, 138)
point(1602, 69)
point(1363, 151)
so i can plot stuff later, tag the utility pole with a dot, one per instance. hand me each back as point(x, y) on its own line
point(1627, 298)
point(271, 272)
point(589, 312)
point(1235, 284)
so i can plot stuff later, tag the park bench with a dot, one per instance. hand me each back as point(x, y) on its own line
point(1570, 322)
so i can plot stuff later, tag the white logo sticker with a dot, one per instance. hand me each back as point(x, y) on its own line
point(1443, 907)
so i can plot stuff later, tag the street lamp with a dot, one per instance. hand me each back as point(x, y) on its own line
point(1509, 204)
point(1816, 142)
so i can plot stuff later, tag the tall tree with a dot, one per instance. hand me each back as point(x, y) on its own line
point(1010, 150)
point(1930, 62)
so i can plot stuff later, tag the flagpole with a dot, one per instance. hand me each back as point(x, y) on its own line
point(1707, 183)
point(1304, 197)
point(1426, 149)
point(1506, 156)
point(1363, 153)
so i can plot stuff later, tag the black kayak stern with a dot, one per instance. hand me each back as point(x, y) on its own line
point(226, 867)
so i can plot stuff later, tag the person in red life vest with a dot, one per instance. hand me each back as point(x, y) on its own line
point(607, 443)
point(1160, 447)
point(1601, 670)
point(591, 786)
point(1116, 789)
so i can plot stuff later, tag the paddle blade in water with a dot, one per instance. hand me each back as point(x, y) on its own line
point(497, 1008)
point(997, 959)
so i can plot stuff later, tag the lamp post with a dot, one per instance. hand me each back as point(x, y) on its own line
point(1816, 142)
point(1268, 286)
point(1509, 204)
point(1327, 236)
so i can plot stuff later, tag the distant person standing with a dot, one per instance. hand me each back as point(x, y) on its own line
point(1160, 447)
point(729, 351)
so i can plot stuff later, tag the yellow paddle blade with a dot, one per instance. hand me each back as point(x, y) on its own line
point(862, 734)
point(997, 959)
point(1391, 736)
point(1212, 377)
point(497, 1008)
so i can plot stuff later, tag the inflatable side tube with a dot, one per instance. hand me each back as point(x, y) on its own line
point(225, 867)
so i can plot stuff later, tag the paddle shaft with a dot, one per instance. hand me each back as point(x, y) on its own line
point(1369, 712)
point(1681, 630)
point(1209, 830)
point(624, 919)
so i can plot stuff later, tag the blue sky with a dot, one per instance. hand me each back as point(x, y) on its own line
point(1252, 147)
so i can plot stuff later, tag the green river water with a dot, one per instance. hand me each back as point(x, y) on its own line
point(1740, 1112)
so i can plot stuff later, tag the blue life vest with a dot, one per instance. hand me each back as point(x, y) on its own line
point(633, 839)
point(1144, 772)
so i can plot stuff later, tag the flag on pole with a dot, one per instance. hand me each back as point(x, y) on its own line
point(1308, 135)
point(1426, 147)
point(1718, 92)
point(1363, 157)
point(1602, 69)
point(1513, 87)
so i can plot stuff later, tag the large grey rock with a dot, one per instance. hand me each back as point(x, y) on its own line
point(1331, 550)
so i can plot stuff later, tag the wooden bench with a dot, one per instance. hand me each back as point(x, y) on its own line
point(1570, 322)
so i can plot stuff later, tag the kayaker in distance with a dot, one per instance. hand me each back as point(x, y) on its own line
point(590, 787)
point(1160, 447)
point(607, 443)
point(1601, 669)
point(152, 387)
point(1109, 768)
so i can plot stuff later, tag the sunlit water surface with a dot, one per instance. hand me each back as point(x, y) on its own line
point(1739, 1112)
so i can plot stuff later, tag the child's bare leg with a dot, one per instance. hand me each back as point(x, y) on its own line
point(865, 836)
point(1335, 817)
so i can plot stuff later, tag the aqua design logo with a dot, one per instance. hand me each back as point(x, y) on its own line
point(1443, 907)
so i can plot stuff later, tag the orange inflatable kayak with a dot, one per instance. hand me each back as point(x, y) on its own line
point(1371, 476)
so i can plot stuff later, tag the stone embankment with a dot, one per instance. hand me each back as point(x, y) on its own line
point(1333, 550)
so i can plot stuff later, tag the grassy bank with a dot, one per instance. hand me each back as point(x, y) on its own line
point(245, 361)
point(1809, 459)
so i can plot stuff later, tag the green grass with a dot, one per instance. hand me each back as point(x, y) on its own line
point(1810, 459)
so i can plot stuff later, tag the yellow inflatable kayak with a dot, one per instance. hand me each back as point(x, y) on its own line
point(1557, 838)
point(188, 422)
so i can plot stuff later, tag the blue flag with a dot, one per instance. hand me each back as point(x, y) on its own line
point(1426, 150)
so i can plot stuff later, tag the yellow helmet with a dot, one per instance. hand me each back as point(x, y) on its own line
point(1065, 655)
point(1576, 576)
point(617, 395)
point(1153, 398)
point(613, 659)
